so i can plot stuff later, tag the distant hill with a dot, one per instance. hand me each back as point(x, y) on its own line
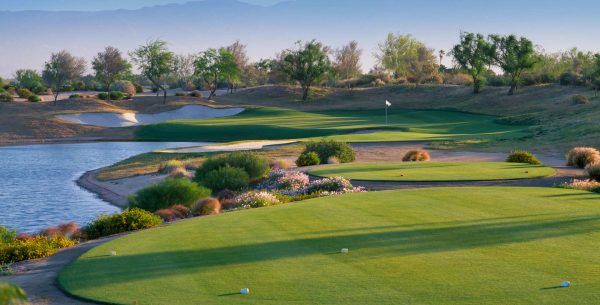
point(28, 37)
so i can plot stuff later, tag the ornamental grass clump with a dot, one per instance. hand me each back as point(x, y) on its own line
point(593, 171)
point(170, 166)
point(174, 213)
point(521, 156)
point(208, 206)
point(419, 155)
point(256, 200)
point(582, 156)
point(583, 185)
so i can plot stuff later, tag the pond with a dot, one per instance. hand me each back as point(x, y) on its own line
point(37, 182)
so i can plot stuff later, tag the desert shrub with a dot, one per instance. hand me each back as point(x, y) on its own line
point(102, 96)
point(497, 80)
point(207, 206)
point(15, 248)
point(227, 199)
point(582, 156)
point(326, 149)
point(117, 95)
point(521, 156)
point(34, 98)
point(11, 294)
point(256, 167)
point(138, 88)
point(24, 93)
point(460, 79)
point(419, 155)
point(593, 171)
point(378, 83)
point(168, 193)
point(569, 79)
point(256, 200)
point(333, 185)
point(69, 229)
point(196, 93)
point(180, 172)
point(192, 164)
point(173, 213)
point(11, 90)
point(126, 87)
point(308, 159)
point(285, 180)
point(6, 97)
point(169, 166)
point(231, 178)
point(74, 96)
point(580, 99)
point(280, 164)
point(128, 220)
point(582, 185)
point(333, 160)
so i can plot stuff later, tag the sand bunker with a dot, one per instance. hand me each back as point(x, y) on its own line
point(110, 119)
point(238, 146)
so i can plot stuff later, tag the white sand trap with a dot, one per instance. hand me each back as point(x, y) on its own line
point(238, 146)
point(111, 119)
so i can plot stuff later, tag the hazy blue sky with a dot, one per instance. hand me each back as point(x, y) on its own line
point(28, 38)
point(92, 5)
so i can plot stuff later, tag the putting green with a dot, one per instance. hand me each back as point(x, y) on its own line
point(435, 171)
point(428, 246)
point(350, 126)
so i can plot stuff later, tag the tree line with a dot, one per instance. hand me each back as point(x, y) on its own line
point(497, 60)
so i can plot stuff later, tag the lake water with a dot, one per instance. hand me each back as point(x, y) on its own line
point(37, 182)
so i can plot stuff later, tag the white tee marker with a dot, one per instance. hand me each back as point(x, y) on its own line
point(344, 250)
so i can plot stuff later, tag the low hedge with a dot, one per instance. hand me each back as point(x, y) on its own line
point(129, 220)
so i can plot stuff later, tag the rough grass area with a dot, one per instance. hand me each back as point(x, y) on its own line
point(435, 171)
point(429, 246)
point(149, 163)
point(351, 126)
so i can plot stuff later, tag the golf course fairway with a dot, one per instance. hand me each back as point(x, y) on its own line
point(434, 171)
point(486, 245)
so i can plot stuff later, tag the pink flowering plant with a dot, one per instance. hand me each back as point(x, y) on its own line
point(256, 199)
point(281, 180)
point(332, 186)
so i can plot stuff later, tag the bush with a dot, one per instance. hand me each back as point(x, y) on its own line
point(580, 99)
point(168, 193)
point(102, 96)
point(196, 93)
point(256, 200)
point(593, 171)
point(582, 156)
point(308, 159)
point(11, 294)
point(331, 185)
point(326, 149)
point(419, 155)
point(173, 213)
point(69, 229)
point(256, 167)
point(582, 185)
point(208, 206)
point(280, 164)
point(179, 94)
point(285, 180)
point(230, 178)
point(34, 98)
point(521, 156)
point(227, 199)
point(126, 87)
point(74, 96)
point(15, 248)
point(129, 220)
point(138, 88)
point(6, 97)
point(169, 166)
point(460, 79)
point(24, 93)
point(117, 95)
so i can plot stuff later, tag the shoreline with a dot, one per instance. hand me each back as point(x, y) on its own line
point(88, 182)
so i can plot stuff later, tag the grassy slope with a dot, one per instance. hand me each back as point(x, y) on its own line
point(433, 246)
point(435, 171)
point(559, 123)
point(279, 123)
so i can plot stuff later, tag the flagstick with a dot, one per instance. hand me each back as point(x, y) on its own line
point(386, 117)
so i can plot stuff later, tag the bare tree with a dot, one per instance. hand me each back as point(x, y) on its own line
point(240, 57)
point(61, 69)
point(183, 69)
point(347, 60)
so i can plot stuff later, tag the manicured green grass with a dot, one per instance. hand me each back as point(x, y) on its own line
point(434, 171)
point(279, 123)
point(428, 246)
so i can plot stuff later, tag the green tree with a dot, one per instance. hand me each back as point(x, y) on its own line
point(61, 69)
point(30, 79)
point(214, 66)
point(155, 62)
point(474, 54)
point(596, 75)
point(110, 66)
point(307, 64)
point(514, 55)
point(422, 65)
point(396, 52)
point(347, 61)
point(240, 57)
